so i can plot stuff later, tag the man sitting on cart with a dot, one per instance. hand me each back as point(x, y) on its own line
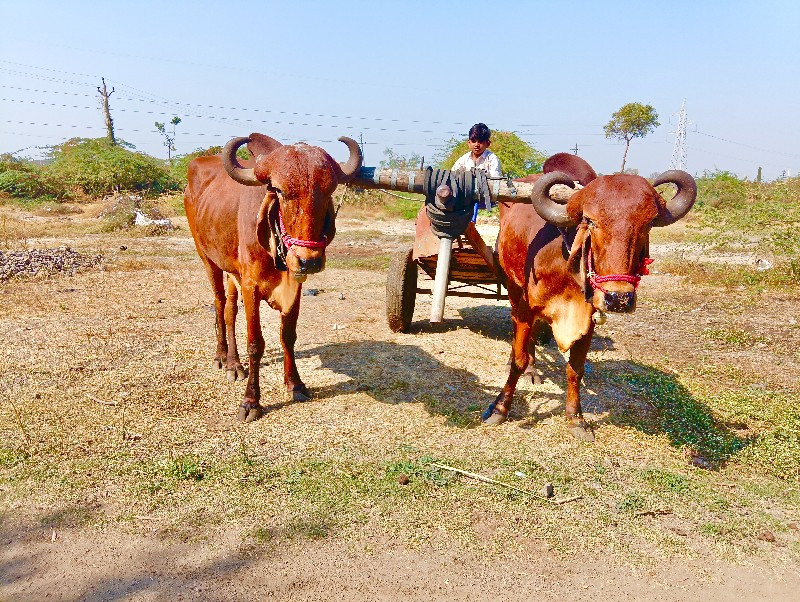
point(479, 155)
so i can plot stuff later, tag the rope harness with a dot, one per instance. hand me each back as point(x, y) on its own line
point(284, 242)
point(595, 281)
point(290, 241)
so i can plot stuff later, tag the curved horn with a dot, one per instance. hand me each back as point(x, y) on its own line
point(350, 169)
point(546, 207)
point(235, 170)
point(679, 205)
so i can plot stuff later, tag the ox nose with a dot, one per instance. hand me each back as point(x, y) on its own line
point(310, 266)
point(620, 302)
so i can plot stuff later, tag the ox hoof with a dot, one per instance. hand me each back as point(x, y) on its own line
point(491, 417)
point(217, 363)
point(495, 419)
point(581, 431)
point(300, 393)
point(532, 375)
point(248, 413)
point(234, 374)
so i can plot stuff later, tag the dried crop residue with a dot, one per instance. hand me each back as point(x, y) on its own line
point(123, 473)
point(45, 262)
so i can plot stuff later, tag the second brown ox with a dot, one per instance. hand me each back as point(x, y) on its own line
point(267, 225)
point(564, 263)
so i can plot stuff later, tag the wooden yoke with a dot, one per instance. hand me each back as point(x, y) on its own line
point(413, 181)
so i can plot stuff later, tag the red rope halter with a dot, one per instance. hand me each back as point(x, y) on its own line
point(291, 241)
point(596, 280)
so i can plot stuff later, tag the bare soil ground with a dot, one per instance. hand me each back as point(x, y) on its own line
point(125, 476)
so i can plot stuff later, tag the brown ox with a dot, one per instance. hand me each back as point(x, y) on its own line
point(267, 225)
point(564, 263)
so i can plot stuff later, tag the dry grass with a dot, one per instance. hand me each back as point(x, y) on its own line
point(110, 412)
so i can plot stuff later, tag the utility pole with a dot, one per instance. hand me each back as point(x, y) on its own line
point(679, 152)
point(104, 94)
point(575, 150)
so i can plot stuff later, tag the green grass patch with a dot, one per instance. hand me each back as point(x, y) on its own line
point(664, 480)
point(402, 208)
point(732, 336)
point(686, 420)
point(784, 274)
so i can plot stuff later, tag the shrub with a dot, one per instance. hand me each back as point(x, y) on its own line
point(99, 168)
point(180, 165)
point(721, 189)
point(741, 214)
point(21, 179)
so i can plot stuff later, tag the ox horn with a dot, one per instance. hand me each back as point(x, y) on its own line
point(545, 206)
point(353, 165)
point(679, 205)
point(233, 167)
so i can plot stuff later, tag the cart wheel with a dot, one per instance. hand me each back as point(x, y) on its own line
point(401, 291)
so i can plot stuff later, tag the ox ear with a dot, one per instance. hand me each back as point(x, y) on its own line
point(265, 223)
point(576, 262)
point(329, 226)
point(260, 144)
point(572, 165)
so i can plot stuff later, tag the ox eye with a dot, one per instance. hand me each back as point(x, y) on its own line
point(590, 223)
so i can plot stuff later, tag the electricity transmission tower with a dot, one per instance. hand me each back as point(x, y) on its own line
point(679, 151)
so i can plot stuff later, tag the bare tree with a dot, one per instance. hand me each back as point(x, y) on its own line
point(104, 94)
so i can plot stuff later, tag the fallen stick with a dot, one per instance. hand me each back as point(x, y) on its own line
point(567, 500)
point(478, 477)
point(100, 401)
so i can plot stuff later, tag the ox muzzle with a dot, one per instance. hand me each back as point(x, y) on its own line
point(310, 266)
point(621, 302)
point(618, 301)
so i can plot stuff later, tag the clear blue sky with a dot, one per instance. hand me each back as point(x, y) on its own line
point(410, 75)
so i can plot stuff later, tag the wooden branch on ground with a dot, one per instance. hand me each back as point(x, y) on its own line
point(567, 500)
point(483, 479)
point(100, 401)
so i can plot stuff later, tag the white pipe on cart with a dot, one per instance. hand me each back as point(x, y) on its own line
point(440, 283)
point(442, 266)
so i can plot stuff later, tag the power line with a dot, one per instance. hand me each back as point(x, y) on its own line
point(758, 148)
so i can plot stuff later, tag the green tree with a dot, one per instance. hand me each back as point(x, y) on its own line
point(169, 141)
point(517, 157)
point(633, 120)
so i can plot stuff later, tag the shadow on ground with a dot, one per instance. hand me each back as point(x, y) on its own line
point(623, 393)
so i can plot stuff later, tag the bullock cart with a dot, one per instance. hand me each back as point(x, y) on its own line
point(447, 247)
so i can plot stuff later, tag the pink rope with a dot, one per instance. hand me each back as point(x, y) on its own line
point(596, 280)
point(291, 241)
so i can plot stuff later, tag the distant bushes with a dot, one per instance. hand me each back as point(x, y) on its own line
point(92, 168)
point(180, 165)
point(84, 167)
point(97, 168)
point(738, 213)
point(26, 180)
